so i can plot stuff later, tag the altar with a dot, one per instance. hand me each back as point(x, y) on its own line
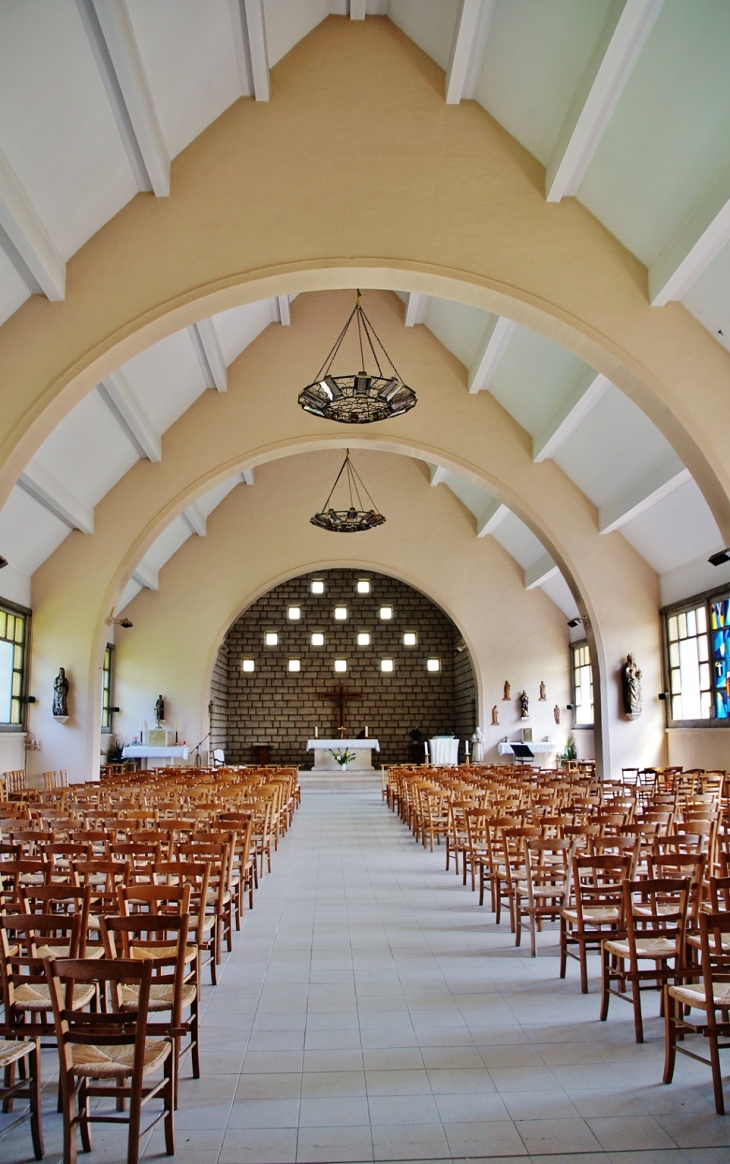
point(145, 752)
point(324, 761)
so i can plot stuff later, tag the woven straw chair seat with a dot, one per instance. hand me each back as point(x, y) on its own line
point(144, 952)
point(597, 914)
point(116, 1062)
point(37, 996)
point(695, 995)
point(694, 940)
point(11, 1051)
point(62, 951)
point(160, 996)
point(645, 948)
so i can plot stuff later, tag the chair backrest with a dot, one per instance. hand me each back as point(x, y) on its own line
point(161, 940)
point(656, 908)
point(159, 899)
point(598, 885)
point(24, 942)
point(107, 1028)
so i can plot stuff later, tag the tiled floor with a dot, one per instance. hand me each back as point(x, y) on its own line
point(371, 1011)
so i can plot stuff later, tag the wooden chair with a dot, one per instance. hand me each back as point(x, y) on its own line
point(161, 939)
point(597, 886)
point(511, 868)
point(545, 890)
point(705, 988)
point(25, 939)
point(111, 1048)
point(12, 1053)
point(651, 929)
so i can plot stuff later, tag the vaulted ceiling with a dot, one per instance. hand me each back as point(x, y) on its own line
point(626, 104)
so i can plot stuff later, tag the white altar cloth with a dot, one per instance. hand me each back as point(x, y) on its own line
point(444, 750)
point(144, 752)
point(537, 747)
point(324, 761)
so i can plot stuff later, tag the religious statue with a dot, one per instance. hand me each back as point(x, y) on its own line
point(60, 694)
point(543, 693)
point(631, 683)
point(507, 689)
point(495, 716)
point(478, 741)
point(525, 705)
point(159, 710)
point(556, 713)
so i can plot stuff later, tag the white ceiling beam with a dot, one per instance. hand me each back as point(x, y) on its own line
point(357, 9)
point(119, 397)
point(247, 477)
point(540, 572)
point(280, 312)
point(25, 239)
point(583, 396)
point(694, 245)
point(210, 356)
point(146, 576)
point(491, 518)
point(473, 25)
point(416, 307)
point(109, 29)
point(623, 36)
point(251, 27)
point(196, 520)
point(491, 349)
point(56, 498)
point(439, 475)
point(657, 484)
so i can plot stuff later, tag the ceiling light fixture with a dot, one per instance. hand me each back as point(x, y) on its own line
point(354, 519)
point(720, 558)
point(358, 397)
point(126, 623)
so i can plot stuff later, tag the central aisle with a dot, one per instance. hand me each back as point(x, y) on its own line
point(371, 1010)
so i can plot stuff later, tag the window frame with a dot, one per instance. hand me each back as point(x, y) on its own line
point(15, 609)
point(706, 598)
point(574, 648)
point(107, 687)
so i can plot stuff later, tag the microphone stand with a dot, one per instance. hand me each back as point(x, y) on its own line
point(196, 749)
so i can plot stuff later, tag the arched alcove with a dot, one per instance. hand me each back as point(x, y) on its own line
point(269, 705)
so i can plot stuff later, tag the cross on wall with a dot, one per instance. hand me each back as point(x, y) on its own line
point(340, 696)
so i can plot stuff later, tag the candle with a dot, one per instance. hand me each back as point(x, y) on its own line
point(316, 732)
point(366, 731)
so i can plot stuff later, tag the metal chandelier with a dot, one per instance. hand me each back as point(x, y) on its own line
point(354, 519)
point(358, 397)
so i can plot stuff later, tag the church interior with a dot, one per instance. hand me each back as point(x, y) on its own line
point(352, 848)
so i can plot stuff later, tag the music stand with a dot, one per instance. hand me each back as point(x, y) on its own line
point(522, 753)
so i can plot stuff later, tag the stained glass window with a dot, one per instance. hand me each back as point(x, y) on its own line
point(14, 624)
point(720, 633)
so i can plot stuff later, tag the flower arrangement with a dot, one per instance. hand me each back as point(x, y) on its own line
point(343, 757)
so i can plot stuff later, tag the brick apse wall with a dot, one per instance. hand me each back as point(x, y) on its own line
point(273, 706)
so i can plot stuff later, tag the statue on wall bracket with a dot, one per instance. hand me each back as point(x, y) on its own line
point(525, 705)
point(61, 687)
point(507, 689)
point(631, 686)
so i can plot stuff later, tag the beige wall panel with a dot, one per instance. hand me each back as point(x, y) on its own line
point(699, 747)
point(335, 183)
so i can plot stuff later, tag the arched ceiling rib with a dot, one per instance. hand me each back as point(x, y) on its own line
point(613, 453)
point(656, 175)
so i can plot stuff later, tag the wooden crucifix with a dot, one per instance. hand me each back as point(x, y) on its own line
point(340, 695)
